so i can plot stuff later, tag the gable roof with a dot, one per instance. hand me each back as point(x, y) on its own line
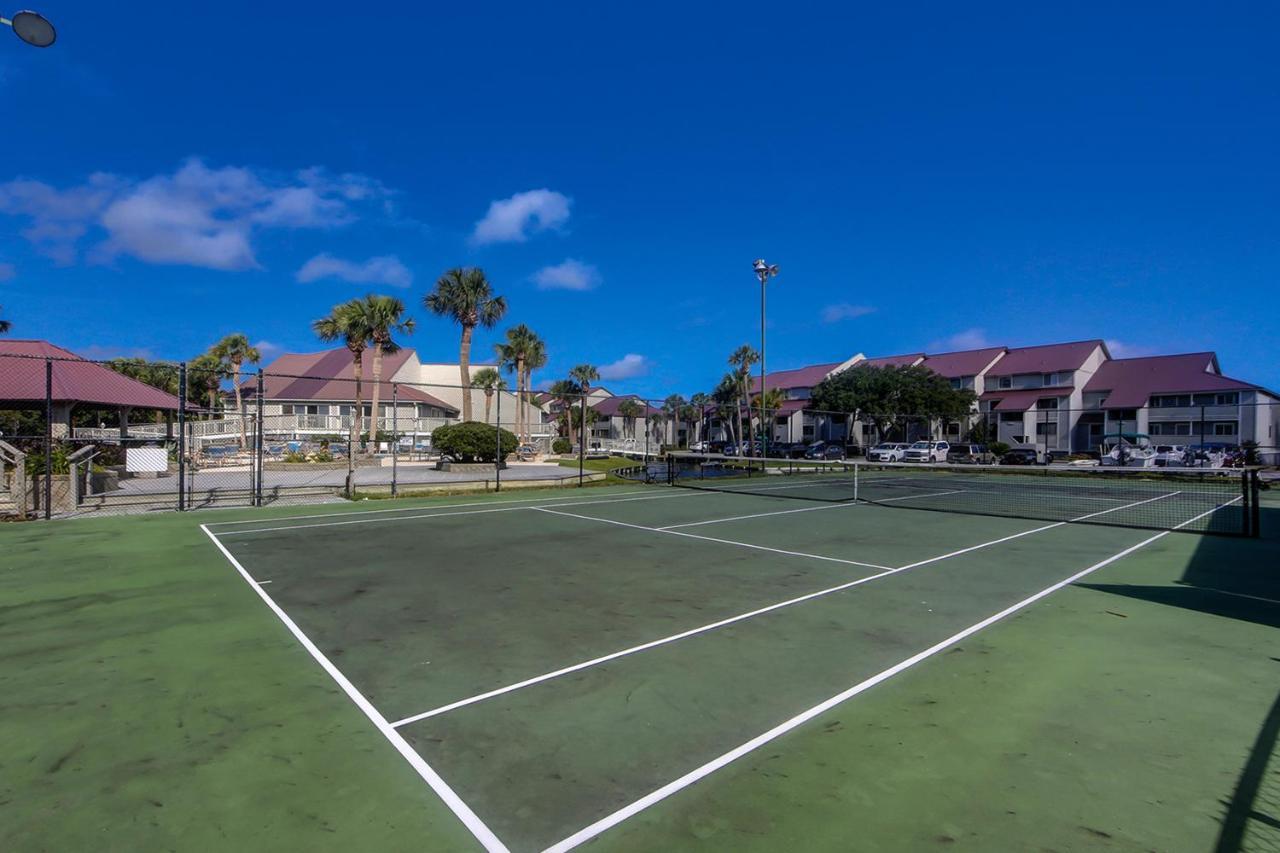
point(327, 375)
point(1049, 358)
point(608, 407)
point(1130, 382)
point(800, 377)
point(75, 380)
point(968, 362)
point(1021, 399)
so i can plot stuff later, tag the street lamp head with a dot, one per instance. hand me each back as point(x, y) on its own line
point(33, 28)
point(764, 270)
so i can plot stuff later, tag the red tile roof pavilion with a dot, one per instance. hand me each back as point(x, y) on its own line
point(75, 380)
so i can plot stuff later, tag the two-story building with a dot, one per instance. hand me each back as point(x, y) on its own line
point(1034, 396)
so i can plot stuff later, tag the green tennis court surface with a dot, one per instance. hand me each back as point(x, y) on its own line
point(638, 668)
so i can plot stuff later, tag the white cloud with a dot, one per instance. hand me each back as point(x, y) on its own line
point(1120, 349)
point(570, 275)
point(196, 216)
point(844, 311)
point(383, 269)
point(967, 339)
point(7, 271)
point(268, 349)
point(512, 220)
point(629, 366)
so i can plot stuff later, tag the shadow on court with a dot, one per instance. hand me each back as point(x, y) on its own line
point(1233, 578)
point(1253, 812)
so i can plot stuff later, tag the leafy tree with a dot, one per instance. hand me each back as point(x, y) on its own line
point(489, 380)
point(583, 375)
point(472, 441)
point(564, 395)
point(890, 395)
point(384, 317)
point(5, 325)
point(630, 410)
point(673, 407)
point(657, 425)
point(521, 353)
point(465, 296)
point(233, 351)
point(773, 399)
point(349, 324)
point(700, 402)
point(204, 379)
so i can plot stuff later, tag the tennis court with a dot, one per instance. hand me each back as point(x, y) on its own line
point(554, 666)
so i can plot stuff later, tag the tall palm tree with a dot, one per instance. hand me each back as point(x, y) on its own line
point(657, 424)
point(671, 408)
point(742, 359)
point(204, 377)
point(728, 405)
point(5, 325)
point(773, 399)
point(564, 392)
point(630, 410)
point(522, 353)
point(488, 379)
point(699, 402)
point(583, 375)
point(465, 296)
point(384, 317)
point(233, 351)
point(347, 323)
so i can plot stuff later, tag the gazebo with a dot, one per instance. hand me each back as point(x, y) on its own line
point(35, 373)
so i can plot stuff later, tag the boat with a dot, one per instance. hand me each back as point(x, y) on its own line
point(1128, 450)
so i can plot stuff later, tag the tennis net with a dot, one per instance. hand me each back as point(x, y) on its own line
point(1222, 501)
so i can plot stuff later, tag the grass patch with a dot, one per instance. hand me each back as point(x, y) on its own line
point(604, 466)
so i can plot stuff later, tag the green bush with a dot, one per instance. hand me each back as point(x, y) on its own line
point(998, 448)
point(295, 457)
point(562, 445)
point(472, 441)
point(35, 461)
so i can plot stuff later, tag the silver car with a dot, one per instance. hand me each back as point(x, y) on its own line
point(889, 451)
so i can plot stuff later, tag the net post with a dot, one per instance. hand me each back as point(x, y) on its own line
point(48, 438)
point(395, 437)
point(497, 431)
point(1255, 511)
point(182, 436)
point(582, 440)
point(260, 433)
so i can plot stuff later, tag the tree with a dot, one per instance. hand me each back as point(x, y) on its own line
point(630, 409)
point(583, 375)
point(204, 378)
point(488, 379)
point(741, 360)
point(5, 325)
point(773, 399)
point(728, 404)
point(347, 323)
point(563, 393)
point(672, 408)
point(233, 351)
point(889, 396)
point(465, 296)
point(657, 424)
point(700, 402)
point(384, 317)
point(521, 353)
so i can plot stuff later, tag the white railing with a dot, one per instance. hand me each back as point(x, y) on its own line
point(272, 425)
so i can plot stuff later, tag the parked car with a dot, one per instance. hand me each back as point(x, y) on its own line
point(1170, 454)
point(927, 451)
point(970, 454)
point(700, 447)
point(797, 450)
point(889, 451)
point(825, 450)
point(1021, 456)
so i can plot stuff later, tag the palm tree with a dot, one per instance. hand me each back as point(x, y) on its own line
point(489, 380)
point(728, 406)
point(741, 360)
point(233, 351)
point(204, 377)
point(563, 391)
point(699, 402)
point(657, 420)
point(583, 375)
point(5, 325)
point(630, 410)
point(522, 353)
point(671, 408)
point(773, 399)
point(465, 296)
point(384, 317)
point(346, 323)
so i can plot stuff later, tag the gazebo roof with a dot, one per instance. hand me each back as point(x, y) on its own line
point(75, 380)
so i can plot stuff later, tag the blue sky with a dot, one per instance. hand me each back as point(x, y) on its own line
point(931, 178)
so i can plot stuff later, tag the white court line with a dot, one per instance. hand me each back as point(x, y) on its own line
point(654, 797)
point(805, 509)
point(713, 539)
point(469, 818)
point(648, 497)
point(418, 508)
point(538, 679)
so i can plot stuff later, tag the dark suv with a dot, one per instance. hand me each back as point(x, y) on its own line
point(1021, 456)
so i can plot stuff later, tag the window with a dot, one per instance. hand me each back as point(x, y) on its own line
point(1225, 428)
point(808, 430)
point(1050, 428)
point(957, 383)
point(1011, 417)
point(1168, 401)
point(1123, 414)
point(1049, 379)
point(1095, 430)
point(1170, 428)
point(1019, 439)
point(1226, 398)
point(1006, 381)
point(1047, 403)
point(286, 409)
point(953, 428)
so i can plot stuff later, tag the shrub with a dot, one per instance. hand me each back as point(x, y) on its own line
point(293, 456)
point(1251, 455)
point(562, 445)
point(472, 441)
point(998, 448)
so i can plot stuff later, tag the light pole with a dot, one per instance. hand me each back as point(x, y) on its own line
point(764, 272)
point(31, 27)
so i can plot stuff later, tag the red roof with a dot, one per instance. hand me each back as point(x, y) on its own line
point(968, 362)
point(328, 376)
point(1021, 399)
point(801, 377)
point(1045, 359)
point(608, 407)
point(894, 360)
point(74, 379)
point(1131, 381)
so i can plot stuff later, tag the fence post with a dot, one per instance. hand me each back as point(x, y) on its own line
point(182, 436)
point(582, 440)
point(395, 437)
point(259, 436)
point(497, 430)
point(48, 438)
point(1255, 514)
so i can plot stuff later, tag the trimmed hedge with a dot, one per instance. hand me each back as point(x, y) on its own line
point(562, 445)
point(472, 441)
